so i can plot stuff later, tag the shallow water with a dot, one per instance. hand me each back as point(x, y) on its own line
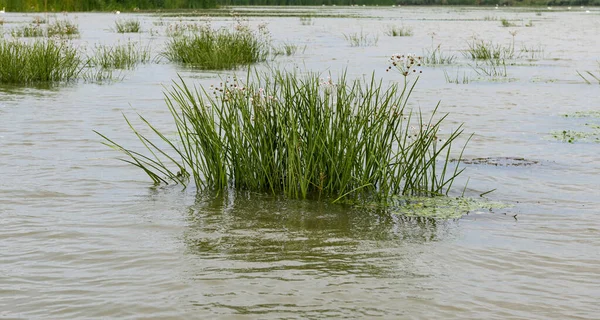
point(84, 236)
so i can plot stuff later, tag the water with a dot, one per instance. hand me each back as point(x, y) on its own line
point(84, 236)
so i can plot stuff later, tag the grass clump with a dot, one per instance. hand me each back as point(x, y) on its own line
point(219, 49)
point(361, 39)
point(27, 31)
point(307, 20)
point(38, 61)
point(457, 79)
point(505, 23)
point(128, 26)
point(62, 28)
point(395, 31)
point(300, 136)
point(436, 56)
point(487, 50)
point(121, 56)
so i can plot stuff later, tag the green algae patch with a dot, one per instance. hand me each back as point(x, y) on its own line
point(441, 207)
point(590, 132)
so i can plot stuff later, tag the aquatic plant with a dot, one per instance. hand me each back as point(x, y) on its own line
point(491, 68)
point(396, 31)
point(127, 26)
point(506, 23)
point(120, 56)
point(435, 56)
point(300, 136)
point(286, 49)
point(62, 28)
point(38, 61)
point(361, 39)
point(39, 20)
point(27, 31)
point(591, 76)
point(219, 49)
point(456, 79)
point(101, 75)
point(307, 20)
point(487, 50)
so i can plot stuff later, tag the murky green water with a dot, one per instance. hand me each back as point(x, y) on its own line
point(83, 235)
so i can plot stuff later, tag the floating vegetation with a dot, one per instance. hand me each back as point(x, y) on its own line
point(501, 161)
point(120, 56)
point(396, 31)
point(38, 61)
point(591, 134)
point(437, 207)
point(361, 39)
point(128, 26)
point(301, 136)
point(220, 49)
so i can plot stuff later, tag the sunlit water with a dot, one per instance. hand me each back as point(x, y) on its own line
point(82, 235)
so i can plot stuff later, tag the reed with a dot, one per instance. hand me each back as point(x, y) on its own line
point(487, 50)
point(120, 56)
point(396, 31)
point(128, 26)
point(300, 136)
point(27, 31)
point(218, 49)
point(38, 61)
point(62, 28)
point(361, 39)
point(436, 56)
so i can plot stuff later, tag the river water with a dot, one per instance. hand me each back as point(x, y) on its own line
point(83, 235)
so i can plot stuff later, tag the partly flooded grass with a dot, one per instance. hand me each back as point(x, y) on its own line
point(219, 49)
point(128, 26)
point(120, 56)
point(62, 28)
point(398, 31)
point(58, 28)
point(38, 61)
point(300, 136)
point(361, 39)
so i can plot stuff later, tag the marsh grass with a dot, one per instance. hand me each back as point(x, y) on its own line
point(101, 76)
point(487, 50)
point(506, 23)
point(491, 68)
point(300, 136)
point(396, 31)
point(531, 52)
point(62, 28)
point(218, 49)
point(457, 79)
point(38, 61)
point(307, 20)
point(361, 39)
point(27, 31)
point(436, 56)
point(120, 56)
point(39, 20)
point(127, 26)
point(287, 49)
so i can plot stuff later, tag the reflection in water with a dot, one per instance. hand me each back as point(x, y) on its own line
point(308, 234)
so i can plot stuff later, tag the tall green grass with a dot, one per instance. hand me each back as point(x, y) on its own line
point(300, 136)
point(479, 49)
point(218, 49)
point(120, 56)
point(38, 61)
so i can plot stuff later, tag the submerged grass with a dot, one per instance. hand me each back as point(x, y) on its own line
point(218, 49)
point(38, 61)
point(300, 136)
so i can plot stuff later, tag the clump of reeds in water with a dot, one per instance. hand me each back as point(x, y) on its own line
point(208, 48)
point(62, 28)
point(396, 31)
point(27, 31)
point(120, 56)
point(301, 136)
point(361, 39)
point(487, 50)
point(38, 61)
point(128, 26)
